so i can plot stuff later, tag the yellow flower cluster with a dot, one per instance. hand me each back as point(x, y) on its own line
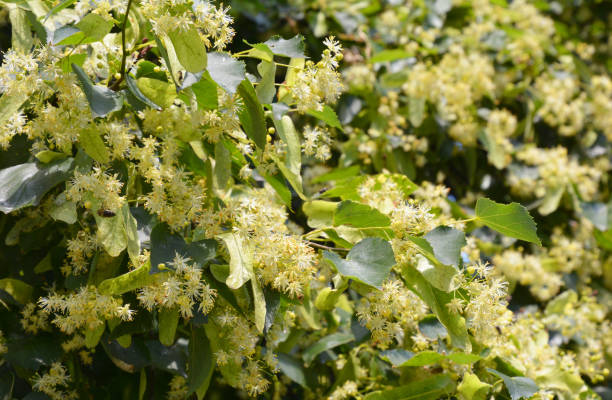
point(55, 383)
point(182, 289)
point(86, 309)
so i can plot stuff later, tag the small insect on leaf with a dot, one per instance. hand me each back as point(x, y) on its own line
point(105, 213)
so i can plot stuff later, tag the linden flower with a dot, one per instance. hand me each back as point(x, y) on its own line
point(320, 82)
point(54, 382)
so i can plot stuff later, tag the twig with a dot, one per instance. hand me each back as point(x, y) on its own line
point(313, 244)
point(124, 55)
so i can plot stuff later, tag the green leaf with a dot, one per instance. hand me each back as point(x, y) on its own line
point(266, 89)
point(94, 27)
point(327, 298)
point(328, 115)
point(432, 388)
point(111, 233)
point(436, 300)
point(416, 107)
point(464, 358)
point(292, 48)
point(131, 232)
point(47, 156)
point(286, 131)
point(508, 219)
point(369, 261)
point(101, 99)
point(431, 327)
point(9, 105)
point(205, 91)
point(359, 215)
point(259, 303)
point(389, 55)
point(338, 174)
point(165, 246)
point(597, 213)
point(93, 336)
point(260, 51)
point(471, 388)
point(33, 352)
point(518, 386)
point(64, 4)
point(423, 358)
point(201, 362)
point(320, 213)
point(396, 356)
point(168, 322)
point(292, 368)
point(129, 281)
point(94, 146)
point(133, 88)
point(551, 200)
point(241, 260)
point(160, 92)
point(63, 210)
point(19, 290)
point(438, 275)
point(189, 48)
point(326, 343)
point(252, 115)
point(25, 184)
point(223, 165)
point(226, 71)
point(446, 243)
point(21, 36)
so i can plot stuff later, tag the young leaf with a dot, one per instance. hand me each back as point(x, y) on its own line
point(189, 48)
point(226, 71)
point(21, 36)
point(287, 133)
point(9, 105)
point(94, 27)
point(201, 361)
point(25, 184)
point(369, 261)
point(205, 91)
point(432, 388)
point(160, 92)
point(518, 386)
point(326, 343)
point(292, 368)
point(168, 322)
point(259, 302)
point(359, 215)
point(111, 233)
point(417, 111)
point(436, 300)
point(102, 100)
point(19, 290)
point(130, 227)
point(129, 281)
point(133, 88)
point(94, 146)
point(471, 388)
point(223, 165)
point(252, 115)
point(509, 219)
point(241, 260)
point(293, 48)
point(423, 358)
point(446, 243)
point(328, 115)
point(265, 89)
